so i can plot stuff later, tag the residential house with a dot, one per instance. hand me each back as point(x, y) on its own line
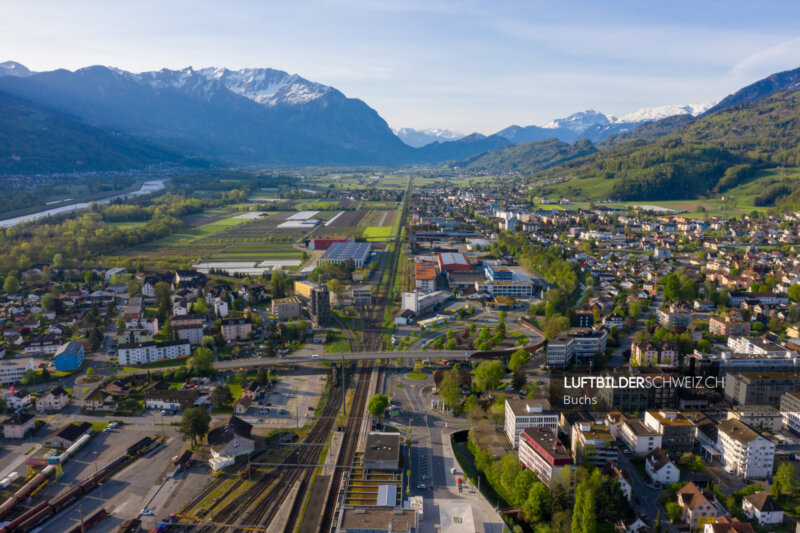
point(660, 469)
point(174, 400)
point(696, 505)
point(17, 425)
point(723, 524)
point(762, 508)
point(19, 399)
point(100, 401)
point(53, 400)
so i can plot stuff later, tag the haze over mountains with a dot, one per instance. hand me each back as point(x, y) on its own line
point(270, 117)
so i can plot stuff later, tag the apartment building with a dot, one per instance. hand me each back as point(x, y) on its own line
point(140, 353)
point(234, 329)
point(790, 411)
point(523, 414)
point(592, 442)
point(654, 353)
point(11, 371)
point(728, 326)
point(640, 439)
point(677, 433)
point(745, 452)
point(541, 452)
point(760, 417)
point(286, 308)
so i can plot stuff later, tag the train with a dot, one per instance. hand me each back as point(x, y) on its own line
point(334, 376)
point(37, 514)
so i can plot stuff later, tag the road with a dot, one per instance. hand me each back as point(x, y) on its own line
point(646, 498)
point(617, 358)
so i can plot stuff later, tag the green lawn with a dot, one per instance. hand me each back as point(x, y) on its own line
point(166, 363)
point(377, 231)
point(419, 376)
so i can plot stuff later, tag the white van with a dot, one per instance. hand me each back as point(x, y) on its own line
point(316, 356)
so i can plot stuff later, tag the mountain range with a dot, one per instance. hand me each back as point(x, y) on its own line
point(98, 117)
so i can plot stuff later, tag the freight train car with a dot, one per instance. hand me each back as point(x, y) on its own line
point(90, 522)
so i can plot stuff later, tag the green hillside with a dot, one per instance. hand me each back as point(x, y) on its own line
point(36, 140)
point(710, 156)
point(529, 157)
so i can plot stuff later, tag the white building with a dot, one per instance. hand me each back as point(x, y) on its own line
point(745, 452)
point(660, 469)
point(762, 508)
point(140, 353)
point(12, 371)
point(640, 439)
point(522, 414)
point(790, 411)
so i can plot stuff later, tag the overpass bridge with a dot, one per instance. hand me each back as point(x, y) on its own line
point(236, 364)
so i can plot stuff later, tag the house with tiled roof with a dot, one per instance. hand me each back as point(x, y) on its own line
point(762, 508)
point(660, 468)
point(696, 505)
point(727, 525)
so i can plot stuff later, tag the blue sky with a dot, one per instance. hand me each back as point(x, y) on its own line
point(462, 65)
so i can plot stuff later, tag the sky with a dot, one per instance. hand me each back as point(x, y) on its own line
point(462, 65)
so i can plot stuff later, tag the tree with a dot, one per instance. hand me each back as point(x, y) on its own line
point(167, 331)
point(673, 511)
point(48, 302)
point(202, 363)
point(519, 379)
point(336, 287)
point(537, 502)
point(11, 285)
point(221, 396)
point(163, 301)
point(612, 505)
point(584, 519)
point(553, 325)
point(488, 375)
point(207, 341)
point(200, 307)
point(793, 292)
point(785, 481)
point(377, 405)
point(518, 358)
point(195, 423)
point(450, 388)
point(262, 376)
point(90, 371)
point(522, 486)
point(509, 469)
point(95, 339)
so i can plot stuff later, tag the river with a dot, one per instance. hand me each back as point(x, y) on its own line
point(147, 187)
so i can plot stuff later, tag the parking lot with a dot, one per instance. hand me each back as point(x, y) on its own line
point(291, 402)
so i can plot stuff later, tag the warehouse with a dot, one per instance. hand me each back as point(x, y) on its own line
point(452, 261)
point(339, 252)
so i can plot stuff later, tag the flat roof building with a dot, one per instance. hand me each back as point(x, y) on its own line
point(339, 252)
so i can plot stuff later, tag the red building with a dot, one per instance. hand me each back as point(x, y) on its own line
point(325, 242)
point(454, 262)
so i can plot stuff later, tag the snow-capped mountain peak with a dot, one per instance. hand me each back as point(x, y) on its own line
point(14, 70)
point(418, 138)
point(265, 86)
point(656, 113)
point(581, 121)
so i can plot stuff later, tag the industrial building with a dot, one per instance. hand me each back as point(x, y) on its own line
point(453, 261)
point(339, 252)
